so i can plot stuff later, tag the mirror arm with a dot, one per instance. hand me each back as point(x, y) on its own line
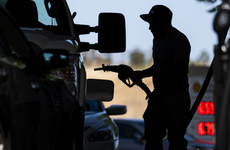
point(85, 29)
point(87, 46)
point(94, 29)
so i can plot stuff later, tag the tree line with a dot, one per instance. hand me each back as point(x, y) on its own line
point(138, 59)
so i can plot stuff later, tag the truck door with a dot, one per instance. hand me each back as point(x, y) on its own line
point(19, 103)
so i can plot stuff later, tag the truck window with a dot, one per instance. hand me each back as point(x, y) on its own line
point(48, 14)
point(43, 15)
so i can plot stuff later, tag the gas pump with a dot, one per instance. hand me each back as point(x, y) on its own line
point(221, 74)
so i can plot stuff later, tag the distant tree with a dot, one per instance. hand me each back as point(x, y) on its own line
point(137, 58)
point(95, 58)
point(202, 60)
point(211, 2)
point(107, 59)
point(203, 57)
point(89, 57)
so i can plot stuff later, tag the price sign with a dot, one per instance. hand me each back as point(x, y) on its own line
point(206, 108)
point(206, 128)
point(202, 124)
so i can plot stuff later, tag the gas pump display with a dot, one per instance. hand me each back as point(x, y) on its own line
point(206, 128)
point(206, 108)
point(202, 124)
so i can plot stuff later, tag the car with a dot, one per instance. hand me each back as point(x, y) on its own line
point(131, 131)
point(37, 110)
point(100, 130)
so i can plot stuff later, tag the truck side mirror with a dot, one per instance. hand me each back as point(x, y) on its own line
point(99, 90)
point(111, 34)
point(116, 110)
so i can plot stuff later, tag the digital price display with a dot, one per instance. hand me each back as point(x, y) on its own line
point(206, 108)
point(206, 128)
point(202, 124)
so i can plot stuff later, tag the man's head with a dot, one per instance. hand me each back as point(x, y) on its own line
point(159, 18)
point(158, 14)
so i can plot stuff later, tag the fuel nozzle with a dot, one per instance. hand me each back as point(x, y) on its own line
point(108, 68)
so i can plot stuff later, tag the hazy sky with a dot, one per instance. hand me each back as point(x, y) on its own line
point(189, 16)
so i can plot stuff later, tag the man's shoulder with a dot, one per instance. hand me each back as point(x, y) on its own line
point(178, 35)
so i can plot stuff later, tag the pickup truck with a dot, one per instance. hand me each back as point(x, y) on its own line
point(48, 24)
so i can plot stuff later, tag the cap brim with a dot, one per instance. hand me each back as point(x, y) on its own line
point(145, 17)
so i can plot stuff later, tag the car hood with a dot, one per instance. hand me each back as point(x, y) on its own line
point(95, 117)
point(48, 40)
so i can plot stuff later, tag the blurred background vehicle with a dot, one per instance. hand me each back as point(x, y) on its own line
point(131, 132)
point(100, 130)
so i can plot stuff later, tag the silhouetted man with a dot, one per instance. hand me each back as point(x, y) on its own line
point(169, 103)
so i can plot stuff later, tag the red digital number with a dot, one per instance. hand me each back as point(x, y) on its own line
point(206, 128)
point(206, 108)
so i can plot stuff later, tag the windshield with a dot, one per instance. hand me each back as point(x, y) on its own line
point(43, 16)
point(48, 14)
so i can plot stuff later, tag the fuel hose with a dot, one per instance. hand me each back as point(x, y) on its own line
point(200, 95)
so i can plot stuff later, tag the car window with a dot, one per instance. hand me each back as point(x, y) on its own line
point(127, 131)
point(94, 106)
point(12, 39)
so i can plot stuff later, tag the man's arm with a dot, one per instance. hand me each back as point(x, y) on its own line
point(144, 73)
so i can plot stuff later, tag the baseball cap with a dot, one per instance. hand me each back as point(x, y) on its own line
point(158, 13)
